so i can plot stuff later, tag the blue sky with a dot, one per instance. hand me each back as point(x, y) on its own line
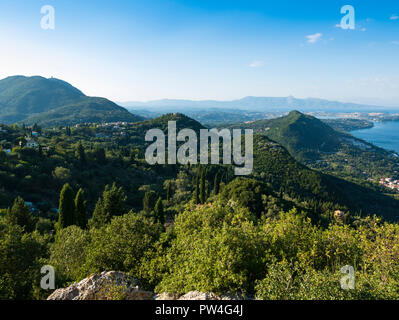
point(207, 49)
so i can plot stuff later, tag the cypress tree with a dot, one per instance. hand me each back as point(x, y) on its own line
point(81, 211)
point(36, 128)
point(100, 155)
point(169, 191)
point(67, 215)
point(99, 217)
point(159, 213)
point(281, 192)
point(81, 155)
point(202, 187)
point(111, 204)
point(134, 155)
point(216, 185)
point(149, 201)
point(20, 214)
point(197, 197)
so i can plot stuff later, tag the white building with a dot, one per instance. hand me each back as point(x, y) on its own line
point(30, 143)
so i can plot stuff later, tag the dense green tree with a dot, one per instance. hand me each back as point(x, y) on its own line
point(67, 213)
point(149, 201)
point(99, 217)
point(197, 187)
point(81, 210)
point(36, 128)
point(20, 214)
point(202, 187)
point(68, 131)
point(216, 184)
point(111, 204)
point(81, 155)
point(99, 154)
point(248, 193)
point(169, 191)
point(20, 255)
point(215, 250)
point(159, 213)
point(68, 254)
point(121, 244)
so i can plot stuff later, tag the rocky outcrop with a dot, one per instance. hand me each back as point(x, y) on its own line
point(113, 285)
point(196, 295)
point(110, 285)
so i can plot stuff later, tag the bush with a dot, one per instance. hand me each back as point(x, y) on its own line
point(68, 254)
point(121, 244)
point(217, 249)
point(20, 256)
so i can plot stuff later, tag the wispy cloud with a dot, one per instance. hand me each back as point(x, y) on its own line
point(394, 17)
point(313, 38)
point(395, 43)
point(256, 64)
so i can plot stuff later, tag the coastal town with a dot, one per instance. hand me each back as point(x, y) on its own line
point(390, 183)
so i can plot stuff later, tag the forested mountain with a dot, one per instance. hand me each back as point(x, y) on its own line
point(275, 166)
point(92, 110)
point(314, 143)
point(299, 133)
point(54, 102)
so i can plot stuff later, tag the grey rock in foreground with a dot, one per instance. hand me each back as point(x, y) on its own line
point(114, 285)
point(196, 295)
point(110, 285)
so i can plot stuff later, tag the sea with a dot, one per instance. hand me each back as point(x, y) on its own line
point(383, 134)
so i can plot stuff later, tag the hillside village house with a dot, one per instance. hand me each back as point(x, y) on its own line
point(30, 143)
point(339, 215)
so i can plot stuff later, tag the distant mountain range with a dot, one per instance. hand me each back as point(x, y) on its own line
point(50, 102)
point(257, 104)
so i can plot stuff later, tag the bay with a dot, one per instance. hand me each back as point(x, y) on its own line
point(383, 134)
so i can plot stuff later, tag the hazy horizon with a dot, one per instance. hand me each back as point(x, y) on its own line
point(128, 104)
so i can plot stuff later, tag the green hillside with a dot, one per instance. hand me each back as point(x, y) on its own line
point(308, 189)
point(303, 136)
point(274, 165)
point(314, 143)
point(88, 110)
point(53, 102)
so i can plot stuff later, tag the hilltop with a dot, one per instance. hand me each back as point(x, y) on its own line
point(314, 143)
point(51, 102)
